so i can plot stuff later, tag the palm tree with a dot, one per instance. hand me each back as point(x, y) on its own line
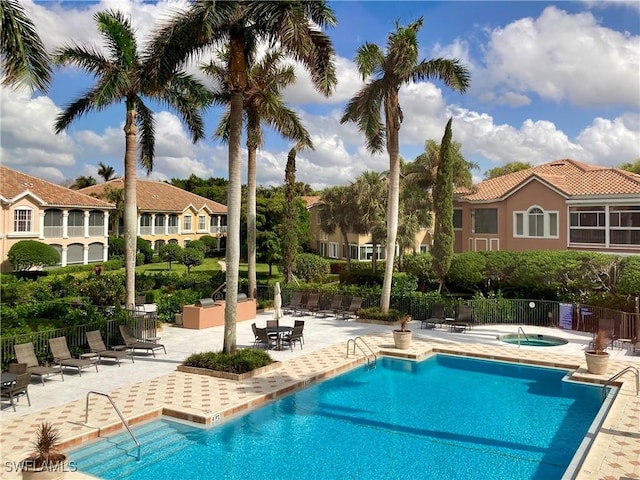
point(24, 57)
point(83, 182)
point(337, 212)
point(371, 190)
point(398, 65)
point(262, 103)
point(122, 77)
point(106, 171)
point(295, 25)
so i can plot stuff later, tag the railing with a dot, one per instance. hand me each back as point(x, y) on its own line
point(124, 422)
point(366, 351)
point(618, 375)
point(525, 335)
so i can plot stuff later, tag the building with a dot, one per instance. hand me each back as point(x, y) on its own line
point(168, 214)
point(74, 223)
point(559, 205)
point(332, 245)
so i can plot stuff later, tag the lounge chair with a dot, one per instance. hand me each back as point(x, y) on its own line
point(294, 303)
point(463, 319)
point(25, 353)
point(354, 308)
point(62, 356)
point(132, 342)
point(19, 388)
point(334, 307)
point(435, 318)
point(264, 339)
point(293, 337)
point(17, 368)
point(311, 305)
point(97, 346)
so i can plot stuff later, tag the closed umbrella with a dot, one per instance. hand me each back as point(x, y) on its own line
point(277, 302)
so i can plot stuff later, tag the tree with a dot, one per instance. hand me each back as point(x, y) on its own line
point(125, 76)
point(83, 182)
point(262, 103)
point(192, 257)
point(289, 234)
point(296, 26)
point(29, 254)
point(337, 212)
point(370, 189)
point(24, 57)
point(170, 252)
point(422, 172)
point(398, 65)
point(633, 167)
point(106, 171)
point(507, 168)
point(443, 237)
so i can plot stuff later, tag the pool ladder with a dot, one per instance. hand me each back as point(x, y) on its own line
point(525, 335)
point(618, 375)
point(124, 422)
point(365, 349)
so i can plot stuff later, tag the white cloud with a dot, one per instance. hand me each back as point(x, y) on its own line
point(612, 142)
point(564, 57)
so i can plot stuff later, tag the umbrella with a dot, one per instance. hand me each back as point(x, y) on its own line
point(277, 302)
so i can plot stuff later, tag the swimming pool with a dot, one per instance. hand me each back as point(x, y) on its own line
point(445, 417)
point(533, 340)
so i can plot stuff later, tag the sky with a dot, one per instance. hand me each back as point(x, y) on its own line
point(549, 80)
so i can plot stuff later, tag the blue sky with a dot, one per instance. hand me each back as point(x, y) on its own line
point(548, 80)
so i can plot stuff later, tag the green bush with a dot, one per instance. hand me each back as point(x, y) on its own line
point(629, 282)
point(361, 277)
point(116, 247)
point(104, 290)
point(144, 247)
point(116, 262)
point(311, 267)
point(28, 254)
point(403, 284)
point(242, 361)
point(337, 266)
point(467, 269)
point(374, 313)
point(171, 303)
point(420, 267)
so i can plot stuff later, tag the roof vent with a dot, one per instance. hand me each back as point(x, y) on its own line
point(27, 184)
point(557, 164)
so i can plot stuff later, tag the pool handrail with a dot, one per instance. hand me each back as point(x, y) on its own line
point(370, 363)
point(618, 375)
point(525, 335)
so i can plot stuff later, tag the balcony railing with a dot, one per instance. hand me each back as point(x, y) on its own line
point(96, 231)
point(145, 230)
point(218, 229)
point(171, 229)
point(52, 232)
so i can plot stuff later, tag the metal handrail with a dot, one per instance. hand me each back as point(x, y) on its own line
point(370, 363)
point(217, 290)
point(618, 375)
point(525, 335)
point(124, 422)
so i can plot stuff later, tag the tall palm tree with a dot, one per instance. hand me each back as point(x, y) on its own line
point(371, 190)
point(106, 171)
point(24, 57)
point(295, 25)
point(262, 103)
point(83, 182)
point(121, 77)
point(390, 69)
point(337, 212)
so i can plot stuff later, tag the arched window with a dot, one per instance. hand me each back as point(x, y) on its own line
point(535, 222)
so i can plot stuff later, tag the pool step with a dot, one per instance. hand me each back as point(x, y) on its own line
point(118, 454)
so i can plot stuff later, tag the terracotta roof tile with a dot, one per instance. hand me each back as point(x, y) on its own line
point(14, 183)
point(311, 200)
point(161, 197)
point(570, 177)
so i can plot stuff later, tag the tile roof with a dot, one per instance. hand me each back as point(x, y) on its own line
point(572, 178)
point(161, 197)
point(311, 200)
point(14, 183)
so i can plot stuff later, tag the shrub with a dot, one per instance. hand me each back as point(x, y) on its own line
point(420, 267)
point(629, 282)
point(374, 313)
point(144, 247)
point(337, 266)
point(116, 247)
point(103, 290)
point(313, 268)
point(242, 361)
point(192, 257)
point(361, 277)
point(467, 269)
point(28, 254)
point(171, 303)
point(116, 262)
point(170, 252)
point(403, 284)
point(139, 259)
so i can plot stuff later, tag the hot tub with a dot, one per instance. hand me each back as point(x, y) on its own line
point(533, 340)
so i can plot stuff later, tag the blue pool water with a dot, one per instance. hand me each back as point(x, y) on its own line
point(446, 417)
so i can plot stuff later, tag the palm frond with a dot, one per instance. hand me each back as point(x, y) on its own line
point(145, 122)
point(365, 110)
point(89, 60)
point(119, 36)
point(222, 131)
point(96, 98)
point(369, 58)
point(287, 123)
point(451, 72)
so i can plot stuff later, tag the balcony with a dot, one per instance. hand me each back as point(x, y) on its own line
point(218, 229)
point(52, 232)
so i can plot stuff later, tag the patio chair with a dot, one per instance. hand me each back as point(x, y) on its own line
point(62, 356)
point(25, 353)
point(264, 339)
point(272, 328)
point(333, 308)
point(256, 339)
point(300, 323)
point(293, 337)
point(311, 306)
point(19, 388)
point(17, 368)
point(354, 308)
point(294, 303)
point(133, 343)
point(463, 319)
point(435, 318)
point(97, 346)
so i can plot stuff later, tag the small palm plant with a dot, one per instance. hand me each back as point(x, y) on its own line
point(46, 453)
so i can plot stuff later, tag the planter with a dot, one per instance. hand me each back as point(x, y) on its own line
point(597, 362)
point(227, 375)
point(54, 470)
point(402, 340)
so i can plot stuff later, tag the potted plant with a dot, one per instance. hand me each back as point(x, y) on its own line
point(598, 359)
point(402, 336)
point(46, 461)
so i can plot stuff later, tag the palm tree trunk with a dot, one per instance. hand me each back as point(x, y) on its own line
point(393, 128)
point(345, 238)
point(130, 206)
point(251, 221)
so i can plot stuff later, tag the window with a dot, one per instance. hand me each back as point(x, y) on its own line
point(457, 219)
point(172, 224)
point(96, 223)
point(333, 250)
point(159, 221)
point(318, 220)
point(624, 222)
point(322, 249)
point(52, 223)
point(424, 248)
point(202, 222)
point(75, 224)
point(22, 220)
point(187, 223)
point(145, 224)
point(485, 220)
point(587, 225)
point(535, 222)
